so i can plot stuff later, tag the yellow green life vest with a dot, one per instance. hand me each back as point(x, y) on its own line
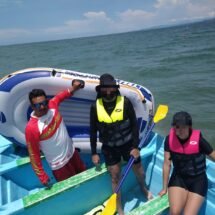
point(113, 129)
point(116, 115)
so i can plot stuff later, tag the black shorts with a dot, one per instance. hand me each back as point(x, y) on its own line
point(195, 184)
point(113, 155)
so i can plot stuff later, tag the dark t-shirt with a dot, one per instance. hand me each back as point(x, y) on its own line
point(205, 147)
point(129, 113)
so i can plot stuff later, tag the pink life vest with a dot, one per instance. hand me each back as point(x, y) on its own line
point(190, 147)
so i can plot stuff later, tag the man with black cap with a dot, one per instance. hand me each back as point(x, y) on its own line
point(186, 149)
point(114, 117)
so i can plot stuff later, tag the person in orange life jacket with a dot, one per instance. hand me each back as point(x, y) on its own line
point(114, 117)
point(47, 132)
point(185, 148)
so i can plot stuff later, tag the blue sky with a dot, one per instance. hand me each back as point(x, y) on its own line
point(24, 21)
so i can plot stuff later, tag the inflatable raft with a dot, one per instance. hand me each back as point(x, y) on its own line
point(15, 108)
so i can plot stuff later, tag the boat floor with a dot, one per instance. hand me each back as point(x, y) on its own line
point(135, 203)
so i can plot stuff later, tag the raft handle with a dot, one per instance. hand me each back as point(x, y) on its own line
point(54, 72)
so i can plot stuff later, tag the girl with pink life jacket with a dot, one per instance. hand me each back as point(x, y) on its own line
point(185, 149)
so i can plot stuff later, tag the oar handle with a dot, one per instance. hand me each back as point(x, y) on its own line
point(143, 142)
point(131, 160)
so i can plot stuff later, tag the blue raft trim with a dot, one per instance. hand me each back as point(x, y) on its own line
point(15, 79)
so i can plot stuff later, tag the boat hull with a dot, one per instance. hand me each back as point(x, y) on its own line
point(85, 191)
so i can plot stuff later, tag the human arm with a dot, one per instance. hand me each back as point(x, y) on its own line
point(133, 120)
point(76, 85)
point(93, 134)
point(206, 148)
point(212, 155)
point(166, 166)
point(129, 111)
point(32, 140)
point(166, 171)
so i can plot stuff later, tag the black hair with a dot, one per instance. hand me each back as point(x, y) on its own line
point(182, 118)
point(36, 93)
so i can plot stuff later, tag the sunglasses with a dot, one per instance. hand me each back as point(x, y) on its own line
point(38, 105)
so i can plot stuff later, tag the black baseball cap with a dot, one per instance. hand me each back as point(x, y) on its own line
point(182, 118)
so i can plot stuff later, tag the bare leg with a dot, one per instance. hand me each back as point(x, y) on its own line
point(115, 177)
point(193, 204)
point(139, 172)
point(177, 200)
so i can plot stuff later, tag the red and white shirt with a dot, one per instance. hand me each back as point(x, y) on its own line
point(49, 134)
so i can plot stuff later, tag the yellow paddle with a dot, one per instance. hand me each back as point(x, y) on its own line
point(111, 203)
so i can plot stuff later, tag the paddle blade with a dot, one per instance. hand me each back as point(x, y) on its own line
point(160, 113)
point(110, 208)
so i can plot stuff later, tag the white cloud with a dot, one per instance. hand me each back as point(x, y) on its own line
point(93, 23)
point(13, 33)
point(201, 10)
point(135, 15)
point(134, 20)
point(96, 15)
point(181, 10)
point(169, 3)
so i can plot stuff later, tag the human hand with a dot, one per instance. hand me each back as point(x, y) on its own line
point(77, 84)
point(162, 192)
point(135, 153)
point(96, 159)
point(48, 184)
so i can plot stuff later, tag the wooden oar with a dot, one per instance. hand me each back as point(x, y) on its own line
point(111, 203)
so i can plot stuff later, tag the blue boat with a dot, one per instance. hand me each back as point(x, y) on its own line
point(87, 192)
